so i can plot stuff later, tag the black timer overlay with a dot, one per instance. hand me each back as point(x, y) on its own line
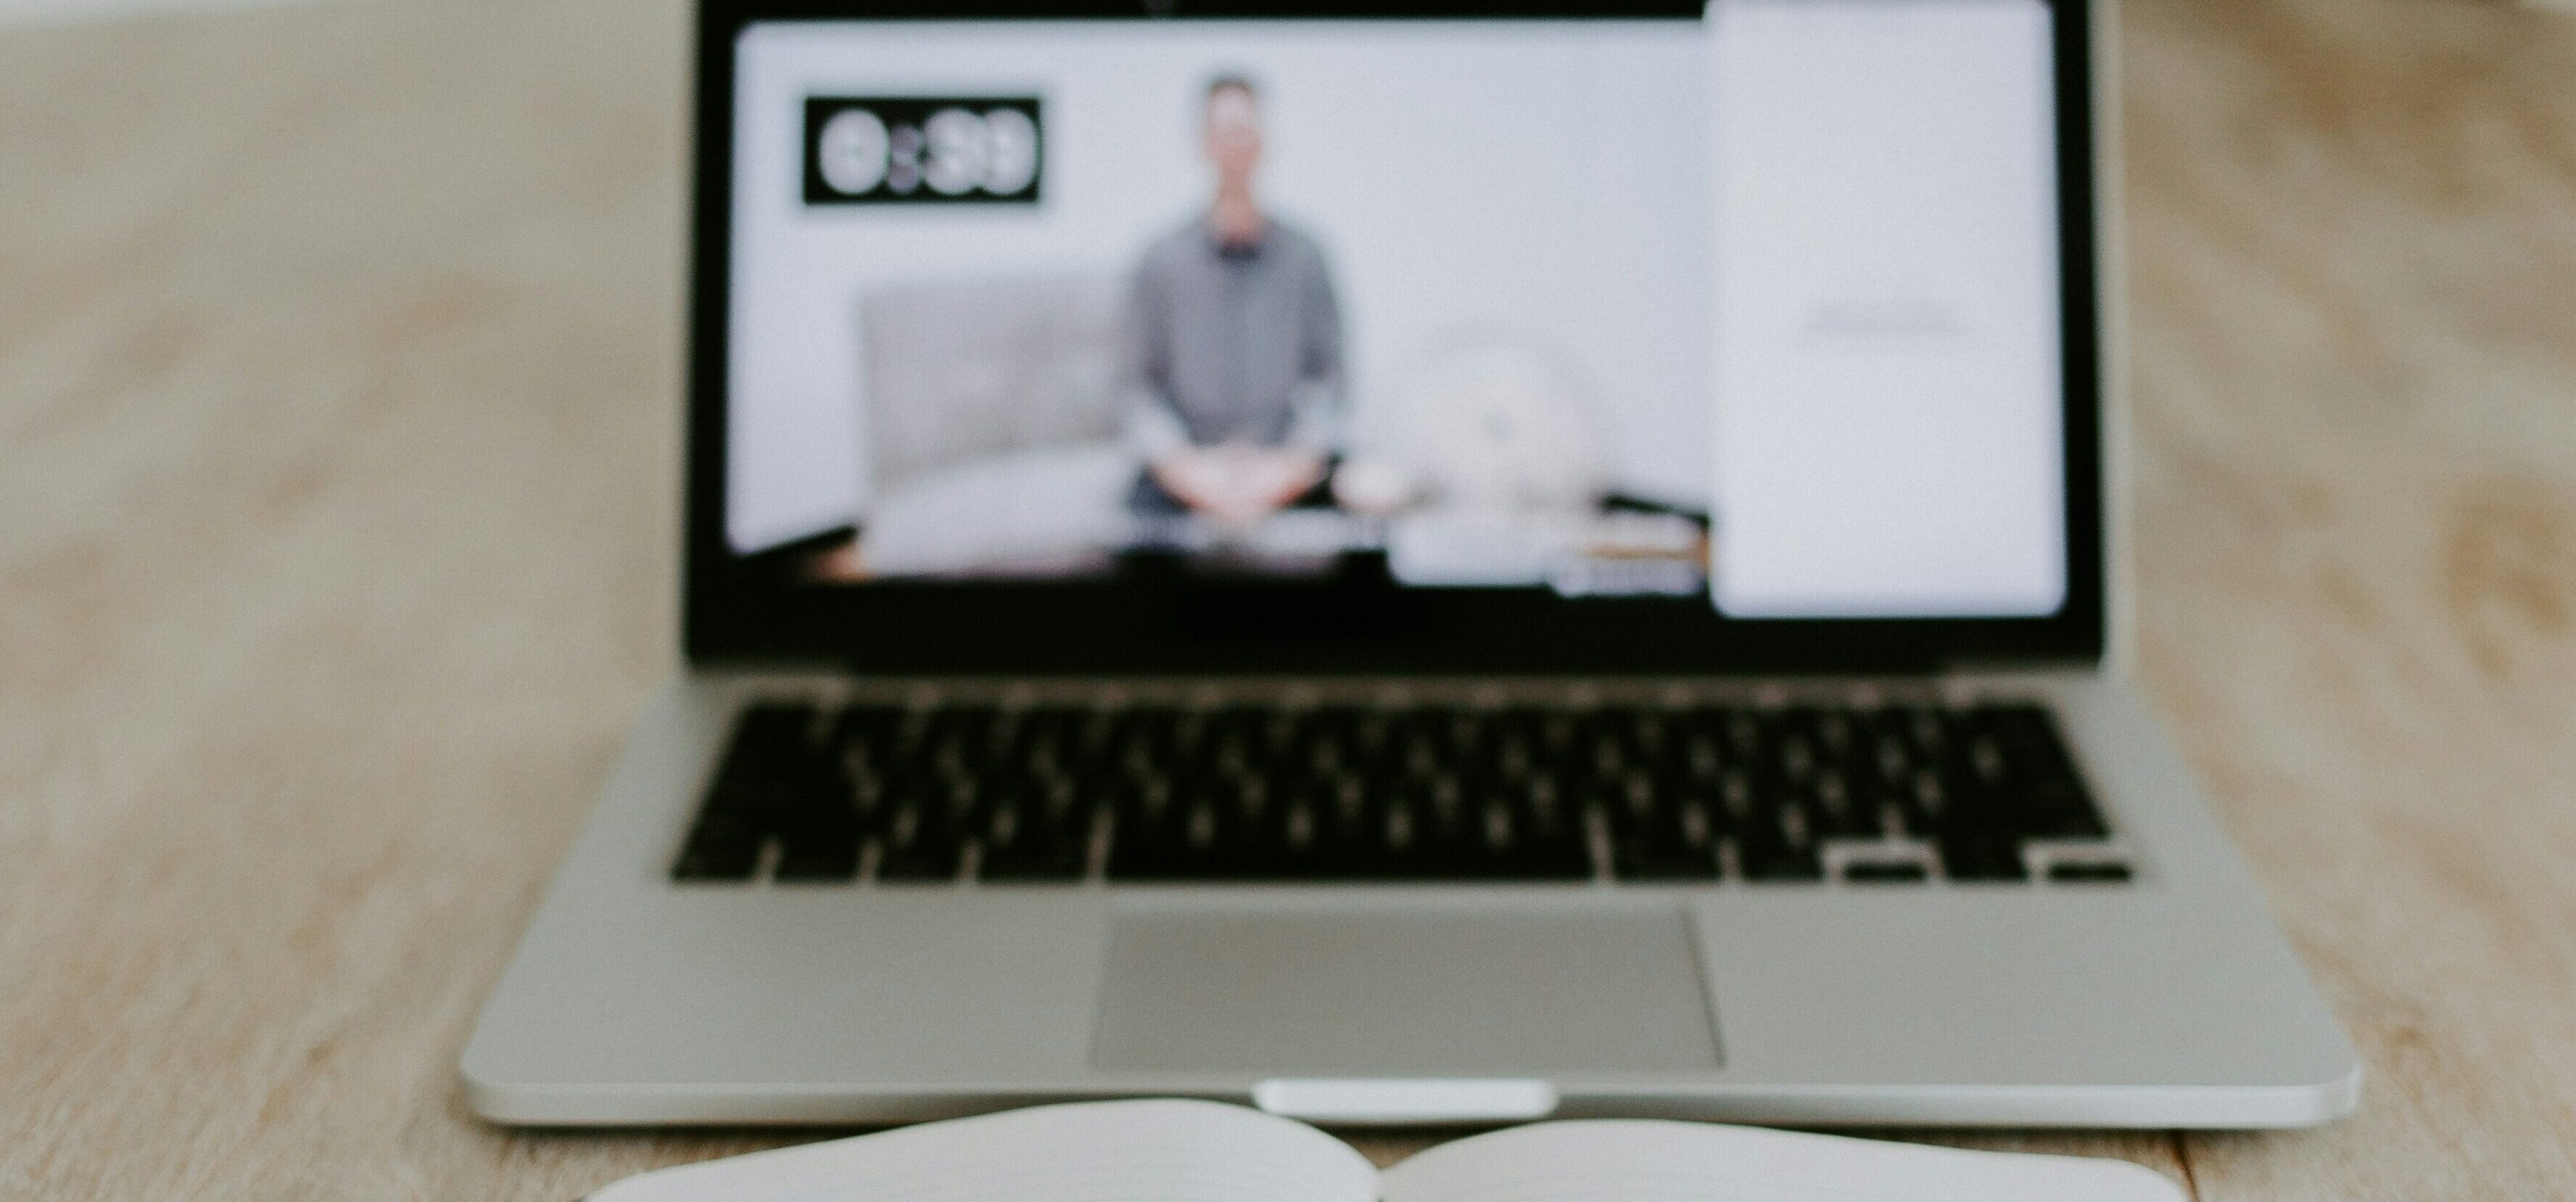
point(923, 150)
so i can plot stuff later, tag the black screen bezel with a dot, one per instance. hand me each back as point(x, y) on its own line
point(738, 611)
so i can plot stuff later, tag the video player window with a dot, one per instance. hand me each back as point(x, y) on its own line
point(1601, 309)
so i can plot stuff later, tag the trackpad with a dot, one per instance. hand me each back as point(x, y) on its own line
point(1403, 992)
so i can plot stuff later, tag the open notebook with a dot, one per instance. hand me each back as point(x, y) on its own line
point(1184, 1151)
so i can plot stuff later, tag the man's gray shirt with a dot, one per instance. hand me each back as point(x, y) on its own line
point(1234, 343)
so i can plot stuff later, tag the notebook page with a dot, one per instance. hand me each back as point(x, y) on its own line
point(1656, 1161)
point(1144, 1151)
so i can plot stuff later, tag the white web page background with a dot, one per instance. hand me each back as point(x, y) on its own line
point(1890, 416)
point(1543, 183)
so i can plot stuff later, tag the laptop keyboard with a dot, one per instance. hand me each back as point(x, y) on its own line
point(1877, 796)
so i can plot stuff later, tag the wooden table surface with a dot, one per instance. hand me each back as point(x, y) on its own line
point(338, 377)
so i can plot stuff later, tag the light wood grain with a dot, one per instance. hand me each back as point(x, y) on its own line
point(338, 354)
point(2354, 262)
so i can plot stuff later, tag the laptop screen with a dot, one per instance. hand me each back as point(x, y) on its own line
point(1758, 315)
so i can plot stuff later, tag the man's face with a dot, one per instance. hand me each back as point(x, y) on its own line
point(1233, 135)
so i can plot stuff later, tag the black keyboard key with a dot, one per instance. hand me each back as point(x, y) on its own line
point(1050, 745)
point(1347, 809)
point(1601, 755)
point(1884, 872)
point(1400, 846)
point(1778, 862)
point(868, 735)
point(1641, 805)
point(1740, 732)
point(719, 862)
point(773, 760)
point(2063, 822)
point(1643, 862)
point(1504, 841)
point(1302, 846)
point(820, 854)
point(1681, 845)
point(1028, 844)
point(2109, 872)
point(1982, 857)
point(721, 847)
point(1840, 810)
point(1553, 829)
point(1924, 731)
point(1776, 842)
point(1162, 833)
point(918, 843)
point(1924, 802)
point(1627, 802)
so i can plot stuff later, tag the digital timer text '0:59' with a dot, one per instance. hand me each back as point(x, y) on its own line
point(914, 150)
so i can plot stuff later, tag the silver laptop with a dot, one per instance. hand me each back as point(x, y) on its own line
point(1405, 564)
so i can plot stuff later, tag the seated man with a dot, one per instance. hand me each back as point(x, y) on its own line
point(1236, 351)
